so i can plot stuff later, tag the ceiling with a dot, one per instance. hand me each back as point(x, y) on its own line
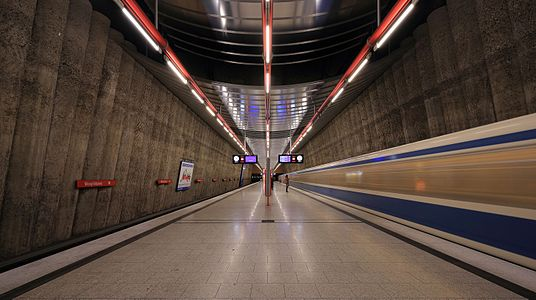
point(220, 44)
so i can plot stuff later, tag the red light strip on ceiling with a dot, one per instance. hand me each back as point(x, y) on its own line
point(142, 20)
point(267, 29)
point(396, 15)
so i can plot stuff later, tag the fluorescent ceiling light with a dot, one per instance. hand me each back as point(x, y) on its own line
point(267, 45)
point(337, 95)
point(219, 121)
point(131, 18)
point(176, 71)
point(267, 82)
point(210, 111)
point(394, 26)
point(197, 96)
point(359, 68)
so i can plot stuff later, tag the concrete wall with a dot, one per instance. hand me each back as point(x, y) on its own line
point(472, 63)
point(75, 105)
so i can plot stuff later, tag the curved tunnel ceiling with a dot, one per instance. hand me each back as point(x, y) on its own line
point(221, 39)
point(220, 44)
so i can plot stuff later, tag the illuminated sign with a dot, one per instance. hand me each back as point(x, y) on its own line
point(186, 172)
point(244, 159)
point(291, 158)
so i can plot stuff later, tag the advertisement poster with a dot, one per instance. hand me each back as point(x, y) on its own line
point(186, 172)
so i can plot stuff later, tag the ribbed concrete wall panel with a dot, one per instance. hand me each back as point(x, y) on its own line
point(501, 58)
point(522, 16)
point(448, 79)
point(81, 128)
point(471, 62)
point(102, 120)
point(425, 63)
point(15, 36)
point(28, 147)
point(68, 84)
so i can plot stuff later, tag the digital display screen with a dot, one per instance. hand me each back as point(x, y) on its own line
point(284, 158)
point(244, 159)
point(251, 159)
point(291, 158)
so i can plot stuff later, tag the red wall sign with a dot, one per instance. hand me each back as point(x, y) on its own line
point(164, 181)
point(84, 184)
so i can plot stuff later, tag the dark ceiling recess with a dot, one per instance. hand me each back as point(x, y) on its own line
point(221, 40)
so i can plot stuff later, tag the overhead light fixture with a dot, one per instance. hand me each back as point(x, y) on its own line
point(310, 127)
point(267, 82)
point(359, 68)
point(267, 45)
point(176, 71)
point(197, 96)
point(337, 95)
point(394, 26)
point(220, 122)
point(133, 20)
point(210, 111)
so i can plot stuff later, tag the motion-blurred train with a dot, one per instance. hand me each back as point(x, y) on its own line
point(476, 187)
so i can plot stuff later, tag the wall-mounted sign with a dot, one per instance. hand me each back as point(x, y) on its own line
point(163, 181)
point(290, 158)
point(186, 171)
point(84, 184)
point(244, 159)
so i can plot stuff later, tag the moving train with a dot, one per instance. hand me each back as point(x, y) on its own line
point(475, 187)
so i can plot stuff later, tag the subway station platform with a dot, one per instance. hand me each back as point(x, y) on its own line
point(296, 248)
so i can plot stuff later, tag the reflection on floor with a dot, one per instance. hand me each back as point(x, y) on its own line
point(311, 251)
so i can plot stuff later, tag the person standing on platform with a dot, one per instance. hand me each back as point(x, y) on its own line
point(287, 183)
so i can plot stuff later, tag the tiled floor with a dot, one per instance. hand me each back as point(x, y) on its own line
point(311, 251)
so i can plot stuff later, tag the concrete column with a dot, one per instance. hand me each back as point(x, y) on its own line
point(120, 215)
point(69, 77)
point(179, 152)
point(471, 62)
point(402, 95)
point(96, 151)
point(395, 126)
point(148, 109)
point(374, 137)
point(113, 135)
point(15, 36)
point(28, 147)
point(81, 128)
point(522, 14)
point(452, 97)
point(425, 63)
point(363, 118)
point(357, 141)
point(374, 108)
point(171, 159)
point(138, 161)
point(414, 109)
point(502, 59)
point(153, 151)
point(164, 141)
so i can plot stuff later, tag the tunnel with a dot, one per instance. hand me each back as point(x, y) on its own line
point(268, 149)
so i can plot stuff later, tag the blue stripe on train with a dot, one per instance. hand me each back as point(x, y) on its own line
point(512, 234)
point(494, 140)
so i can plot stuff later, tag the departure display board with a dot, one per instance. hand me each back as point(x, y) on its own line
point(291, 158)
point(244, 159)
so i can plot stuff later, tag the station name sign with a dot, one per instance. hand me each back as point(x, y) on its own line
point(244, 159)
point(291, 158)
